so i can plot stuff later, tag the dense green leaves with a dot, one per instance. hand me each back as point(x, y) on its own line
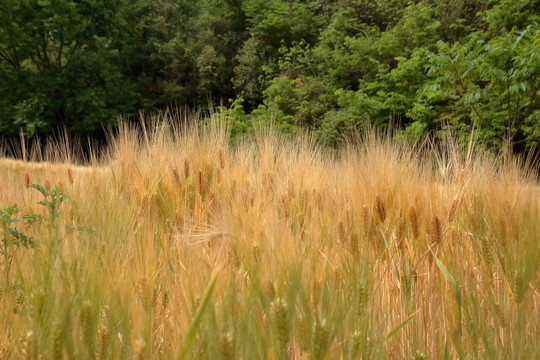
point(494, 84)
point(62, 64)
point(333, 66)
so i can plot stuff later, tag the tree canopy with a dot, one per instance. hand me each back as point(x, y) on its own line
point(331, 66)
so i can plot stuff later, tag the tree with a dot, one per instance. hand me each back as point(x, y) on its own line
point(62, 64)
point(494, 84)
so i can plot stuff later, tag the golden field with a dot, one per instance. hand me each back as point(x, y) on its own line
point(274, 248)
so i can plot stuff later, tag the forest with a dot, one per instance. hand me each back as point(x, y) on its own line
point(331, 67)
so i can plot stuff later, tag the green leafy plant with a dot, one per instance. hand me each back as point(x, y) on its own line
point(53, 198)
point(12, 237)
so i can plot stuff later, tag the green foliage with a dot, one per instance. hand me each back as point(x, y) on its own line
point(12, 237)
point(507, 15)
point(254, 70)
point(9, 233)
point(328, 66)
point(277, 21)
point(62, 64)
point(53, 199)
point(494, 84)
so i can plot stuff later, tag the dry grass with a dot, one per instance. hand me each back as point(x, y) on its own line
point(317, 256)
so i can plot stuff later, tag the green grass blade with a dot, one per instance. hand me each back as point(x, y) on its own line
point(400, 326)
point(457, 294)
point(194, 326)
point(453, 285)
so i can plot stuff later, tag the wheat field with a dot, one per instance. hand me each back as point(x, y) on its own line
point(174, 244)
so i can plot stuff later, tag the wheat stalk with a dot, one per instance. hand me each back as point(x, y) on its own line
point(56, 346)
point(28, 349)
point(101, 339)
point(380, 208)
point(86, 320)
point(186, 168)
point(453, 209)
point(413, 218)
